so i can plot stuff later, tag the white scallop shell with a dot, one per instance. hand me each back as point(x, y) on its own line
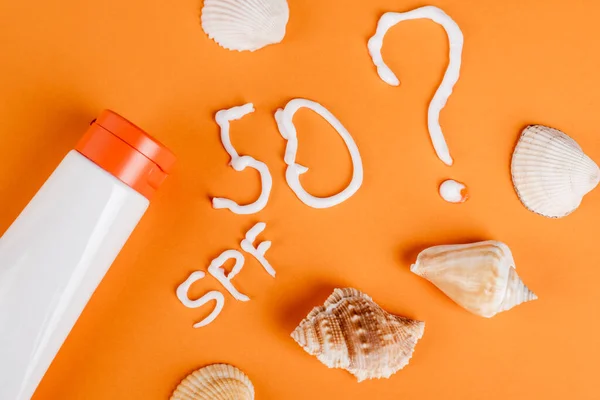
point(215, 382)
point(551, 173)
point(245, 24)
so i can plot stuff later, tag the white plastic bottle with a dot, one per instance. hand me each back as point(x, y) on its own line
point(57, 251)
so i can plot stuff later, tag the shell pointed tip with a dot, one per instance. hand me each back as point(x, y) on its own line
point(298, 336)
point(420, 329)
point(533, 297)
point(294, 334)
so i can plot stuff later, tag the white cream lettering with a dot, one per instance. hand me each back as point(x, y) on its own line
point(182, 295)
point(216, 270)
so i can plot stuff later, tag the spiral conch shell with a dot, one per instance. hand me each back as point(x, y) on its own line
point(215, 382)
point(480, 277)
point(351, 332)
point(551, 173)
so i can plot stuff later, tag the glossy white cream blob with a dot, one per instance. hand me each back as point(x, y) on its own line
point(287, 130)
point(456, 40)
point(240, 163)
point(260, 251)
point(216, 270)
point(182, 295)
point(453, 191)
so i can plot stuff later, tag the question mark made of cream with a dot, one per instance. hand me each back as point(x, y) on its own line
point(451, 191)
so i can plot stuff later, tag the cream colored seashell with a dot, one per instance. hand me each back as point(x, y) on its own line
point(352, 332)
point(551, 173)
point(245, 24)
point(480, 277)
point(215, 382)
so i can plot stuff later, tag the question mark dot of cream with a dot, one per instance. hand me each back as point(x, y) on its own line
point(453, 191)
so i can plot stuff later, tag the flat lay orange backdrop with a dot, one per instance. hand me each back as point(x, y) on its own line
point(525, 61)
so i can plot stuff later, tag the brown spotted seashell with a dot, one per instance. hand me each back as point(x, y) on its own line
point(352, 332)
point(215, 382)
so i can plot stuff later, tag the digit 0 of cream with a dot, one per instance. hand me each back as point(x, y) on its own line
point(287, 130)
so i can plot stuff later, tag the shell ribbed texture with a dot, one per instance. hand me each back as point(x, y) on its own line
point(516, 292)
point(245, 24)
point(215, 382)
point(551, 173)
point(352, 332)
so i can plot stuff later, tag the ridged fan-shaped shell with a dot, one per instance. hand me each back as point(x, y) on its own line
point(245, 24)
point(352, 332)
point(480, 277)
point(215, 382)
point(551, 173)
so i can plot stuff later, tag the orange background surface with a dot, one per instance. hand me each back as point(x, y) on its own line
point(525, 61)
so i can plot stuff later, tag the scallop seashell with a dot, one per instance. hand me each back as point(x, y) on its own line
point(351, 332)
point(215, 382)
point(480, 277)
point(245, 24)
point(551, 173)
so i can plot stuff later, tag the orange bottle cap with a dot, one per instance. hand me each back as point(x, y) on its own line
point(127, 152)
